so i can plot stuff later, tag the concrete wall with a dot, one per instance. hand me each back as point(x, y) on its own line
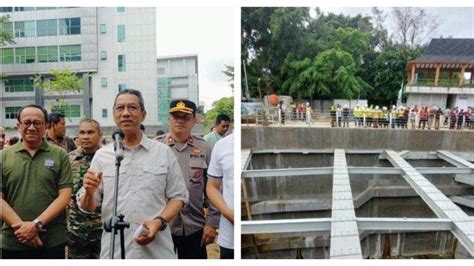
point(355, 138)
point(420, 99)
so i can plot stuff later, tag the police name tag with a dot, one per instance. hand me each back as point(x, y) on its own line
point(49, 162)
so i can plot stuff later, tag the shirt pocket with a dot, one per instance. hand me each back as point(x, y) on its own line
point(196, 170)
point(153, 178)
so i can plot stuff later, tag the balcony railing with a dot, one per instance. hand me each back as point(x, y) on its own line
point(441, 83)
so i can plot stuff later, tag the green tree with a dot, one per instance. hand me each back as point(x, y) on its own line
point(388, 72)
point(229, 72)
point(6, 31)
point(286, 51)
point(6, 37)
point(60, 83)
point(222, 106)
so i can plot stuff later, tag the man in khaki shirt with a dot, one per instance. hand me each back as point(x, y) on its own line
point(151, 190)
point(192, 230)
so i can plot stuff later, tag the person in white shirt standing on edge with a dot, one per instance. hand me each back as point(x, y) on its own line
point(221, 170)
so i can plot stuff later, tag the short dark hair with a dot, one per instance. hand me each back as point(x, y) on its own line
point(137, 93)
point(159, 133)
point(142, 127)
point(55, 117)
point(45, 113)
point(13, 140)
point(90, 120)
point(222, 117)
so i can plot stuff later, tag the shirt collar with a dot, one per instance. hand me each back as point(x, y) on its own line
point(145, 142)
point(171, 140)
point(44, 146)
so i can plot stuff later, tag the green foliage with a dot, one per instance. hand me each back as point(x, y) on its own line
point(229, 72)
point(327, 56)
point(387, 72)
point(222, 106)
point(60, 84)
point(6, 37)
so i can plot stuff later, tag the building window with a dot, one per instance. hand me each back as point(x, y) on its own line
point(26, 55)
point(121, 33)
point(5, 9)
point(103, 55)
point(103, 82)
point(104, 113)
point(47, 54)
point(121, 63)
point(24, 8)
point(103, 28)
point(7, 28)
point(122, 87)
point(47, 27)
point(72, 111)
point(70, 53)
point(70, 26)
point(25, 29)
point(121, 9)
point(19, 85)
point(6, 56)
point(160, 70)
point(12, 112)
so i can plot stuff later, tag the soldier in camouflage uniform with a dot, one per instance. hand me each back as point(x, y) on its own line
point(84, 229)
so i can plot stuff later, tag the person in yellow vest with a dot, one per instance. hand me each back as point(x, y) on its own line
point(332, 112)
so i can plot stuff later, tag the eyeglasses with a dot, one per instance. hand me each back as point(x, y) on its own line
point(35, 123)
point(131, 108)
point(181, 116)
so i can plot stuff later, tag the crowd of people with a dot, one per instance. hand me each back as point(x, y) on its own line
point(423, 117)
point(414, 117)
point(175, 190)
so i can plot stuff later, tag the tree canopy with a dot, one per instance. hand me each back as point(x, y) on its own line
point(222, 106)
point(327, 56)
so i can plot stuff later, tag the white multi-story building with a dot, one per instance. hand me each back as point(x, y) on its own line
point(177, 79)
point(115, 46)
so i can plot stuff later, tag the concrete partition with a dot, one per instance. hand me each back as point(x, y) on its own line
point(355, 138)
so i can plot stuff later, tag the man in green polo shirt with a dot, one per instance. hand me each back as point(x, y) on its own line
point(36, 188)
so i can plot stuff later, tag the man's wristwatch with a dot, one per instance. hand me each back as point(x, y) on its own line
point(163, 223)
point(38, 224)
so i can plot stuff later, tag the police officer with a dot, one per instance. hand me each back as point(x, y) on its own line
point(192, 229)
point(84, 229)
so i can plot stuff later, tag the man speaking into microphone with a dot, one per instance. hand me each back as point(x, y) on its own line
point(151, 189)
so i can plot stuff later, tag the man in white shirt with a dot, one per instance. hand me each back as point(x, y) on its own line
point(151, 188)
point(221, 170)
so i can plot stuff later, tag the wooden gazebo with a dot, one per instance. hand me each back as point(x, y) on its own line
point(444, 55)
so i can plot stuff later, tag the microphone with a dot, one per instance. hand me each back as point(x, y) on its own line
point(118, 144)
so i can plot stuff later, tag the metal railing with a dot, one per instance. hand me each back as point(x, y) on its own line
point(273, 116)
point(441, 83)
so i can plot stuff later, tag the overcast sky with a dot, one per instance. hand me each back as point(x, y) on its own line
point(457, 22)
point(207, 32)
